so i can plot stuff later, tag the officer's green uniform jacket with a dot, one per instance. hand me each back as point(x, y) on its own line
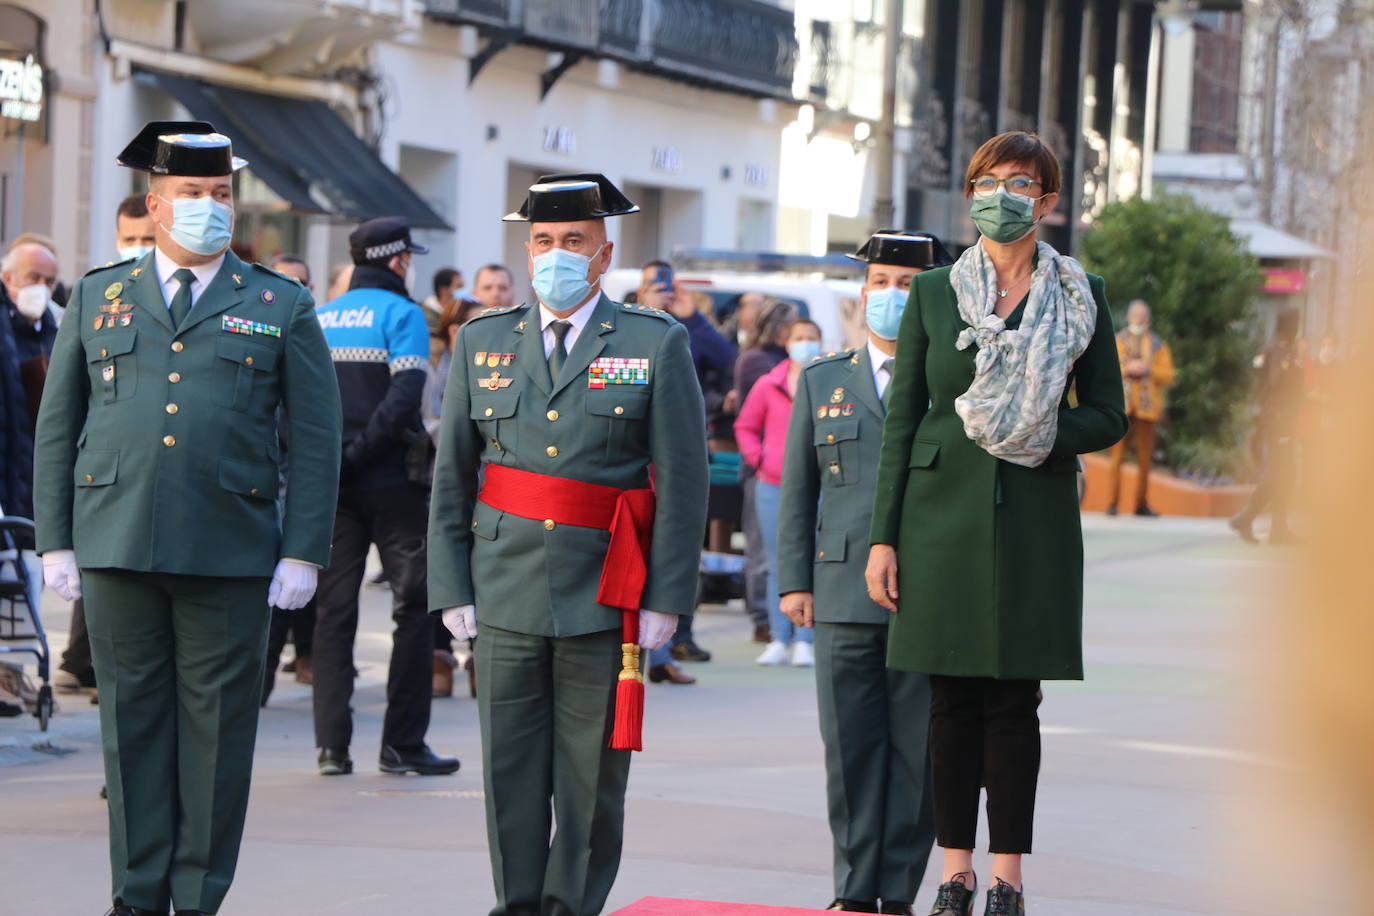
point(521, 575)
point(156, 451)
point(989, 553)
point(833, 442)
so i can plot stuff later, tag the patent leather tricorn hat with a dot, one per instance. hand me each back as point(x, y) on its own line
point(188, 148)
point(572, 197)
point(901, 248)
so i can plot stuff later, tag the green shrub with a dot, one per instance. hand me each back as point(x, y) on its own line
point(1200, 282)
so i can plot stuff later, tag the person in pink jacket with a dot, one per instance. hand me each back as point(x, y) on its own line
point(761, 431)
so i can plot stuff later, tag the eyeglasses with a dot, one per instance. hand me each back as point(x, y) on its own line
point(986, 185)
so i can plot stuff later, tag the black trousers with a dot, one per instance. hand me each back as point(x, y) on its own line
point(300, 626)
point(984, 732)
point(76, 660)
point(395, 519)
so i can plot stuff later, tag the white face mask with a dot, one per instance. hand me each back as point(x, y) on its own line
point(134, 251)
point(410, 276)
point(32, 301)
point(741, 336)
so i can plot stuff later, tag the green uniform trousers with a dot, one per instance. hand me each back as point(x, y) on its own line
point(179, 661)
point(875, 723)
point(546, 707)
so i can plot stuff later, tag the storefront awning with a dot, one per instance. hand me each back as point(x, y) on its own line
point(1264, 241)
point(303, 151)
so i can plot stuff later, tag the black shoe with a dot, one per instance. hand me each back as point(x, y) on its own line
point(1144, 511)
point(119, 909)
point(853, 906)
point(1111, 510)
point(419, 760)
point(955, 898)
point(1004, 900)
point(334, 761)
point(690, 652)
point(896, 908)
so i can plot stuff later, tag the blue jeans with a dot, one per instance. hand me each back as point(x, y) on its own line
point(766, 499)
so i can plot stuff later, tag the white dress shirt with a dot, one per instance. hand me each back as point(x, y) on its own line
point(166, 267)
point(578, 319)
point(881, 377)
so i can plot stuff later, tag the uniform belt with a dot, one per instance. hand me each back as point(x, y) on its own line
point(629, 517)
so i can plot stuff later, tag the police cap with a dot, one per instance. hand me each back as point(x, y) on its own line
point(382, 239)
point(571, 197)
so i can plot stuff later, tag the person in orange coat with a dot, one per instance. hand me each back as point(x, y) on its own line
point(1147, 369)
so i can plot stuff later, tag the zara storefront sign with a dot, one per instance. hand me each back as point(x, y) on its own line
point(21, 89)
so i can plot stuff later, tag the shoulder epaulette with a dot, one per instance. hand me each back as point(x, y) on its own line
point(278, 274)
point(495, 310)
point(639, 309)
point(107, 266)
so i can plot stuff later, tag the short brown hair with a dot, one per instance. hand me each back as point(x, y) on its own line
point(1015, 146)
point(135, 206)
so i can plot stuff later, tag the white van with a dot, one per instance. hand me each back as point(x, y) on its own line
point(830, 302)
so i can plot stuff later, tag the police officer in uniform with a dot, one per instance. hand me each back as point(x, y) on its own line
point(156, 471)
point(380, 345)
point(552, 544)
point(873, 721)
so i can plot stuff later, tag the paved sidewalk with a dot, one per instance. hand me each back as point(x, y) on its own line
point(1140, 781)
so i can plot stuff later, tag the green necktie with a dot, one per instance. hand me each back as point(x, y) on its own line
point(887, 392)
point(181, 302)
point(559, 355)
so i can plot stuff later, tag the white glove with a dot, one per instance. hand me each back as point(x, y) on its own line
point(656, 628)
point(61, 575)
point(293, 584)
point(461, 621)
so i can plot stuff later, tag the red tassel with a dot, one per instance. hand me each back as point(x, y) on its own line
point(629, 716)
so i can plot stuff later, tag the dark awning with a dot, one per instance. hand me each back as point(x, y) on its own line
point(303, 151)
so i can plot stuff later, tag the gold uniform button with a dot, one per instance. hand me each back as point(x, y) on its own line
point(552, 415)
point(496, 445)
point(178, 346)
point(551, 451)
point(821, 555)
point(90, 479)
point(830, 438)
point(253, 492)
point(619, 410)
point(172, 408)
point(488, 412)
point(248, 360)
point(548, 524)
point(169, 441)
point(104, 353)
point(174, 377)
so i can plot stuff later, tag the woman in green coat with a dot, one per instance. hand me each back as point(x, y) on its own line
point(976, 543)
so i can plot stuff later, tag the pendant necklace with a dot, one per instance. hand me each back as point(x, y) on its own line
point(1002, 293)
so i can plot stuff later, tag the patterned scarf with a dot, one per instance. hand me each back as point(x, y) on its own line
point(1012, 408)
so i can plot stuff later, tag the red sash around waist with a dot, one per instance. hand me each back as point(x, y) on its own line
point(629, 516)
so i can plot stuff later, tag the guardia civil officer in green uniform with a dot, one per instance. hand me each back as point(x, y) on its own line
point(568, 512)
point(873, 720)
point(156, 497)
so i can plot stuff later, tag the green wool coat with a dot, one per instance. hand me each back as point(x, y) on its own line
point(156, 448)
point(990, 554)
point(521, 576)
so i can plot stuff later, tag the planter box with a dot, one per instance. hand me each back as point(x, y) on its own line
point(1168, 494)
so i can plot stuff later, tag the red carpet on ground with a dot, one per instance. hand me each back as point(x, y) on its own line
point(662, 906)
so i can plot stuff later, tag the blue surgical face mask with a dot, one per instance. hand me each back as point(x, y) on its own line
point(884, 311)
point(803, 351)
point(1004, 217)
point(201, 225)
point(560, 278)
point(134, 251)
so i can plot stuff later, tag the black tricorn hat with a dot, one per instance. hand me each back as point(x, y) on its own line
point(571, 197)
point(381, 239)
point(189, 148)
point(900, 248)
